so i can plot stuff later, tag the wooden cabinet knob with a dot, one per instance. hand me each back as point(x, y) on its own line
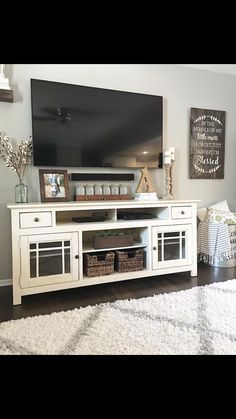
point(183, 212)
point(154, 248)
point(36, 219)
point(76, 256)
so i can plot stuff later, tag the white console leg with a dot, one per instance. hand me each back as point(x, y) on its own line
point(16, 297)
point(194, 270)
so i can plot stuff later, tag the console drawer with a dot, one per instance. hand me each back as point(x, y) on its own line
point(35, 219)
point(181, 212)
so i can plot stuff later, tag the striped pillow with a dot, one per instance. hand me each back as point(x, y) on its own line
point(219, 216)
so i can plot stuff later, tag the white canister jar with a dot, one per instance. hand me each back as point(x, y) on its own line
point(106, 190)
point(98, 189)
point(80, 189)
point(123, 189)
point(114, 189)
point(89, 189)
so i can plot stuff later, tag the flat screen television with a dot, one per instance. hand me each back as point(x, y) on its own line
point(82, 126)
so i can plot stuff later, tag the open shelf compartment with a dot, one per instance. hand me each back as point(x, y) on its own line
point(102, 265)
point(148, 213)
point(139, 239)
point(83, 216)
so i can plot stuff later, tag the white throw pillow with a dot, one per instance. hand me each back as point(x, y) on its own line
point(201, 212)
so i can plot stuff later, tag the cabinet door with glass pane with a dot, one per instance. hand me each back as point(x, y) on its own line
point(49, 259)
point(171, 246)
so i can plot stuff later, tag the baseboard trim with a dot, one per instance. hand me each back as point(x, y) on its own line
point(5, 282)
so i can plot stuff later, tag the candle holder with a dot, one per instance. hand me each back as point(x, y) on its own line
point(169, 159)
point(171, 178)
point(168, 186)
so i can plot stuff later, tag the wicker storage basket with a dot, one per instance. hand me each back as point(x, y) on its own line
point(129, 260)
point(97, 265)
point(113, 241)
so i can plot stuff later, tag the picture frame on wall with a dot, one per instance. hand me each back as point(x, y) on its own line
point(54, 185)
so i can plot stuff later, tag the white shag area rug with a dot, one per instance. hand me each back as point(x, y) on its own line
point(201, 320)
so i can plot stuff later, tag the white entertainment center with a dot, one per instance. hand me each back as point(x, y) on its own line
point(48, 246)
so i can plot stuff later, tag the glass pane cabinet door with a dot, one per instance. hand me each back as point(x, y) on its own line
point(171, 246)
point(49, 259)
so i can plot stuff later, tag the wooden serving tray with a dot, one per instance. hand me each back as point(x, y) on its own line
point(103, 197)
point(113, 241)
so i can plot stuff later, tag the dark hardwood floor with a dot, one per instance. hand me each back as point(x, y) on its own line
point(50, 302)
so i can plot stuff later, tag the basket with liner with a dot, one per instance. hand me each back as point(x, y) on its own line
point(113, 238)
point(99, 264)
point(129, 260)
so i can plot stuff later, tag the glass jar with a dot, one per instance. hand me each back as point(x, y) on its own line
point(123, 189)
point(106, 190)
point(98, 189)
point(21, 193)
point(114, 189)
point(89, 190)
point(80, 190)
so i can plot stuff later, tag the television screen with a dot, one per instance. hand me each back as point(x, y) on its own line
point(80, 126)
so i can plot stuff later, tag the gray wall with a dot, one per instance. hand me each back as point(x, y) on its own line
point(181, 87)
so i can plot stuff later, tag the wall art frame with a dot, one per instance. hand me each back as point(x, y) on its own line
point(207, 144)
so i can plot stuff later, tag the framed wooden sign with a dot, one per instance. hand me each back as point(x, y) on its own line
point(207, 144)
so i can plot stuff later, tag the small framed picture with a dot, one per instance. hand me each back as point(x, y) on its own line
point(54, 185)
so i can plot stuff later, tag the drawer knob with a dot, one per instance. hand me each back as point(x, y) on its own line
point(36, 219)
point(183, 212)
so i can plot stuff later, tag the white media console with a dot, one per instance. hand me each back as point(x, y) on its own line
point(48, 247)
